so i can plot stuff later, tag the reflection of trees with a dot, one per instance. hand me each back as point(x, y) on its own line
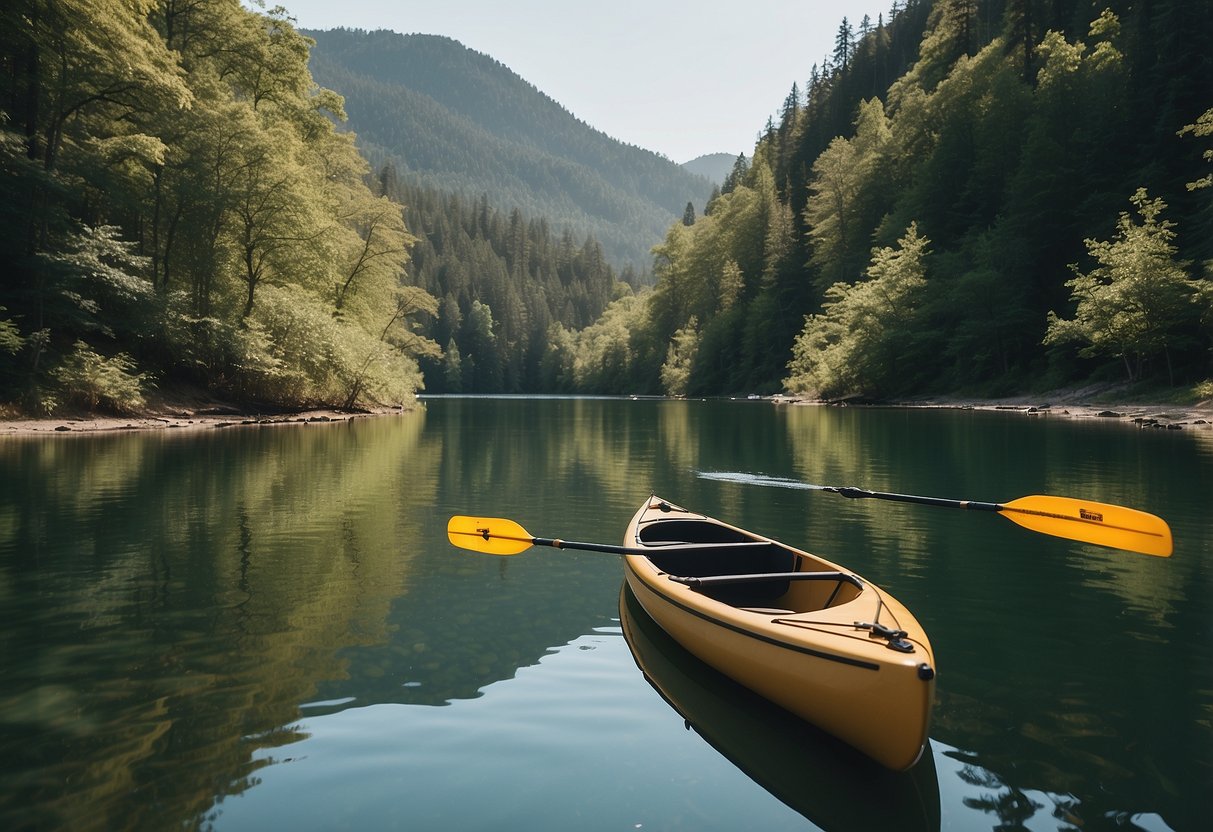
point(171, 600)
point(473, 620)
point(1013, 807)
point(842, 447)
point(174, 599)
point(1081, 615)
point(1142, 470)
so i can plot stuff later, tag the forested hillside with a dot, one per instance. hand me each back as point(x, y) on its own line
point(503, 281)
point(980, 195)
point(452, 119)
point(179, 207)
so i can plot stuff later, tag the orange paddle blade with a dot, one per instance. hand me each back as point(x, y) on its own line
point(490, 535)
point(1090, 522)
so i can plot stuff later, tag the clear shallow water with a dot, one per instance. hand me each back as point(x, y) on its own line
point(267, 625)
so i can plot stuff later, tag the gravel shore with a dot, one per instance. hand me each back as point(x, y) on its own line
point(1068, 404)
point(1076, 404)
point(179, 420)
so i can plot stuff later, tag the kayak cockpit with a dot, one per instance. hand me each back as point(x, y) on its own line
point(741, 570)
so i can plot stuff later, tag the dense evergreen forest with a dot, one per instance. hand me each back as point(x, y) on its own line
point(989, 196)
point(505, 283)
point(452, 119)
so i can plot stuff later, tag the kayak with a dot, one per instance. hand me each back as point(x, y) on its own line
point(809, 635)
point(813, 773)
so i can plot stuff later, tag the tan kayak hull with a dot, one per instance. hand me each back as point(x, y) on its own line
point(813, 661)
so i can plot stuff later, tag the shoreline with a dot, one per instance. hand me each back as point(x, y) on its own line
point(181, 421)
point(1065, 404)
point(209, 416)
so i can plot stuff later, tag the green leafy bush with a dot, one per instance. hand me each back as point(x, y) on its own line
point(99, 383)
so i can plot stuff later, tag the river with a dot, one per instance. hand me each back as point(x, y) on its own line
point(266, 627)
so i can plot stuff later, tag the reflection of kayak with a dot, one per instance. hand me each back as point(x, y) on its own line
point(805, 633)
point(828, 782)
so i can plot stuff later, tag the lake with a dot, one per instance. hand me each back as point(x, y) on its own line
point(266, 627)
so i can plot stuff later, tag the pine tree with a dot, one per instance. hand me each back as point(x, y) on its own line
point(688, 216)
point(844, 45)
point(741, 166)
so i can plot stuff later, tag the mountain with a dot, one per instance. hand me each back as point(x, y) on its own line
point(713, 167)
point(450, 118)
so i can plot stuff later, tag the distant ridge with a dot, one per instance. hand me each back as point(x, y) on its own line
point(452, 118)
point(714, 166)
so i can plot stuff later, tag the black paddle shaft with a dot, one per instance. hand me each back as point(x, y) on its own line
point(858, 493)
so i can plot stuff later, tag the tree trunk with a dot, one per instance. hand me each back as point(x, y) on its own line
point(158, 189)
point(251, 279)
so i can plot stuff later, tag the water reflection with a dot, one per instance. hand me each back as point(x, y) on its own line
point(170, 601)
point(835, 787)
point(816, 775)
point(179, 611)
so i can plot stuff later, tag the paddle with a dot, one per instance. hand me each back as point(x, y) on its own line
point(1083, 520)
point(499, 536)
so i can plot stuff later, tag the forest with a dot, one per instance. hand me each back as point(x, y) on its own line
point(977, 196)
point(181, 209)
point(504, 283)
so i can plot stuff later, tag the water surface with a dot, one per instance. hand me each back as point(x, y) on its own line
point(266, 625)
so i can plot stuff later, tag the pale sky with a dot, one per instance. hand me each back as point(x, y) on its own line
point(679, 78)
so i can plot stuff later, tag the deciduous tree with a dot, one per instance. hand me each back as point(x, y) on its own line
point(1137, 301)
point(854, 345)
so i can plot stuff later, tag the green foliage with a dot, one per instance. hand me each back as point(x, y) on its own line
point(1201, 128)
point(11, 341)
point(857, 343)
point(452, 368)
point(96, 282)
point(174, 191)
point(676, 371)
point(526, 276)
point(1006, 147)
point(98, 383)
point(839, 210)
point(180, 198)
point(481, 357)
point(602, 357)
point(1138, 301)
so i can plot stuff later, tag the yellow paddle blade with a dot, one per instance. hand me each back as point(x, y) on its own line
point(1091, 522)
point(491, 535)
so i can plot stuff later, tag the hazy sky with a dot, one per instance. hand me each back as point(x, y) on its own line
point(680, 78)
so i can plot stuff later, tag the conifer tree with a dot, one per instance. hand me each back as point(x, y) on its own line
point(844, 45)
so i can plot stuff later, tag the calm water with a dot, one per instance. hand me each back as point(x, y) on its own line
point(266, 628)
